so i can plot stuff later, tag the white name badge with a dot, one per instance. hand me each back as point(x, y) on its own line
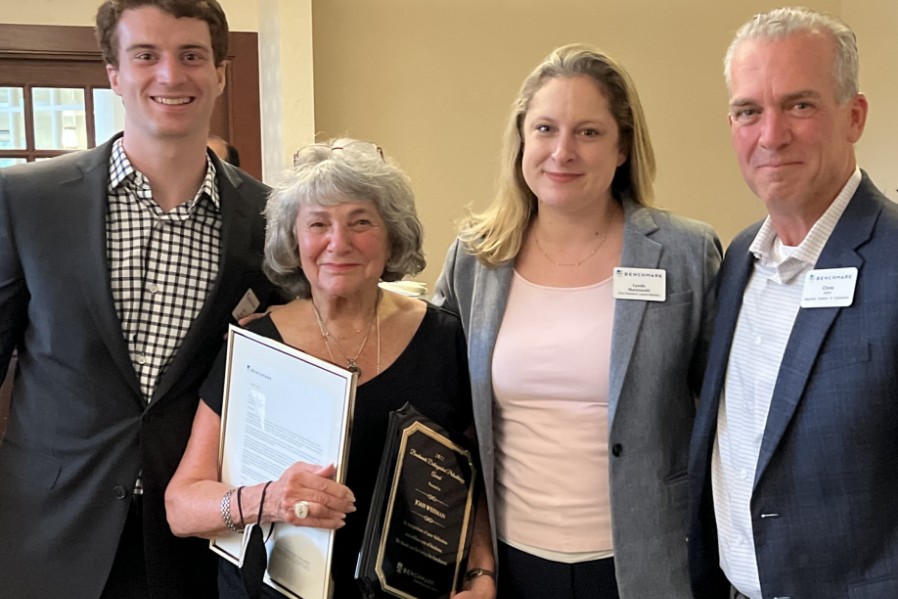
point(646, 284)
point(829, 288)
point(247, 305)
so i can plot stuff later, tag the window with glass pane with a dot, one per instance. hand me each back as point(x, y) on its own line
point(109, 114)
point(12, 118)
point(59, 118)
point(4, 162)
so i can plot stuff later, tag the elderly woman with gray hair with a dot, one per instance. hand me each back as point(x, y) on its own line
point(341, 221)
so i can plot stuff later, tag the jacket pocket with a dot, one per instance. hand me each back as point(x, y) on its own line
point(841, 356)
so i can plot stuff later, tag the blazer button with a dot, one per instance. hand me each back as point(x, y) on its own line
point(120, 492)
point(617, 449)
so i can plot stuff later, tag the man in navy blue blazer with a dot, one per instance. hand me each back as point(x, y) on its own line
point(794, 460)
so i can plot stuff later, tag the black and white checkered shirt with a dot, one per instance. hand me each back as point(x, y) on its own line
point(162, 265)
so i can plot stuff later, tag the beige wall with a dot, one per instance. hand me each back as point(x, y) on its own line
point(874, 23)
point(431, 81)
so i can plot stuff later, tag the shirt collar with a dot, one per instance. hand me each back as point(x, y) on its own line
point(122, 174)
point(805, 255)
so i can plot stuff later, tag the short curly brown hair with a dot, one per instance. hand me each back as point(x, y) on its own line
point(209, 11)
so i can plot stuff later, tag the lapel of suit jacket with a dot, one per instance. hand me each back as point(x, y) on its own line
point(89, 238)
point(737, 266)
point(734, 274)
point(236, 234)
point(490, 297)
point(812, 325)
point(639, 251)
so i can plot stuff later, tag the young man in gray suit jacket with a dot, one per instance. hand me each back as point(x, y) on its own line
point(120, 268)
point(795, 446)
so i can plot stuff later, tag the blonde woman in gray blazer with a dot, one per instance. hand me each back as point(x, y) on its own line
point(598, 508)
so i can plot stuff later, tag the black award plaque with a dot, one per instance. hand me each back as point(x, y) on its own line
point(419, 527)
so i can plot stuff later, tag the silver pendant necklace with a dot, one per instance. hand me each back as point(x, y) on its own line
point(352, 364)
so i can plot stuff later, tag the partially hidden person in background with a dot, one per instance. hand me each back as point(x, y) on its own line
point(341, 221)
point(120, 269)
point(795, 451)
point(586, 314)
point(224, 150)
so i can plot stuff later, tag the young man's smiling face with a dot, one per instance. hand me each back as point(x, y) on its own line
point(166, 74)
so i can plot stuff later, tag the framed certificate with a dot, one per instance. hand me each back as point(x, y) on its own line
point(283, 406)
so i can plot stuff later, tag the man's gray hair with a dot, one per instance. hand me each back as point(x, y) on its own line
point(781, 23)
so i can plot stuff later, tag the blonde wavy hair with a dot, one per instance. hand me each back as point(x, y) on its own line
point(495, 235)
